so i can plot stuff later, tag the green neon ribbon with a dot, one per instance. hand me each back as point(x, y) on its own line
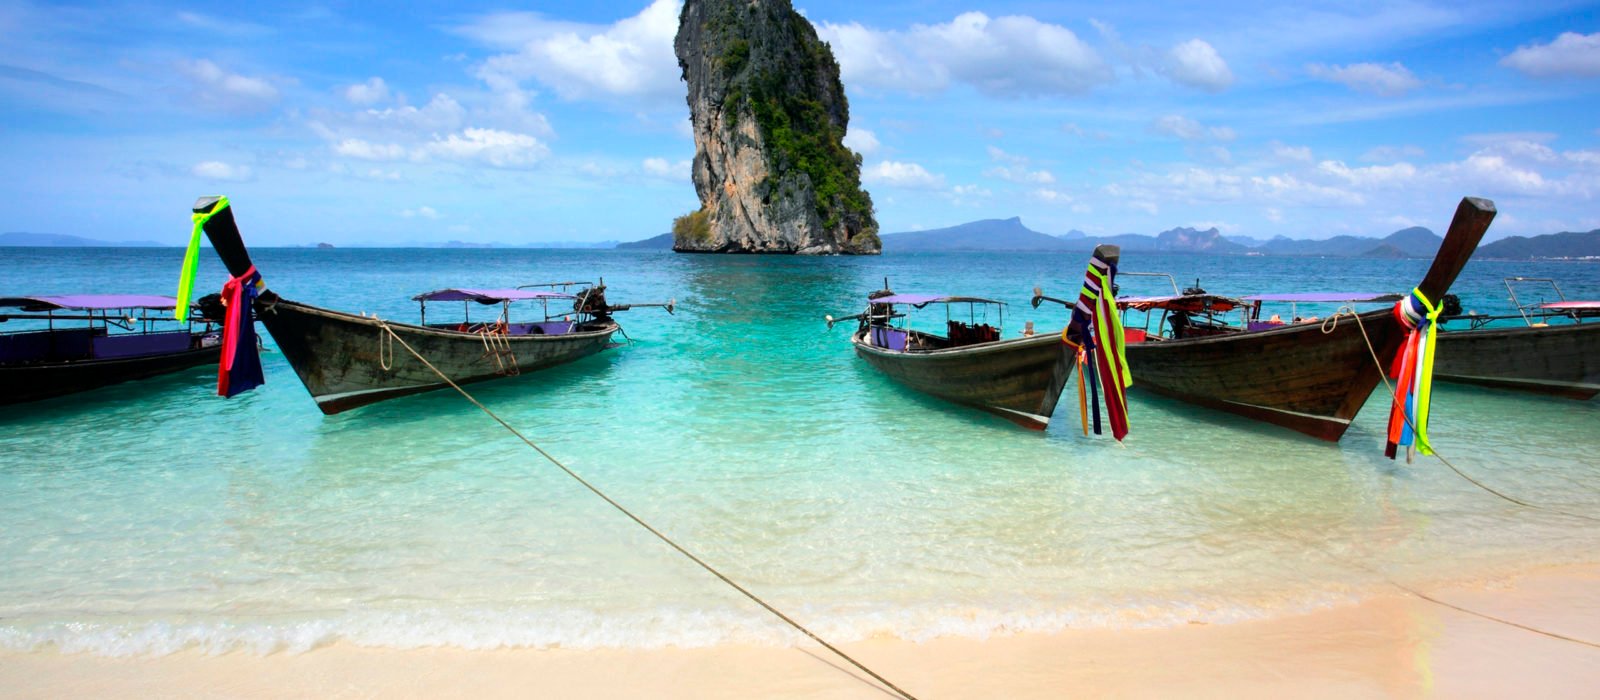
point(191, 258)
point(1425, 379)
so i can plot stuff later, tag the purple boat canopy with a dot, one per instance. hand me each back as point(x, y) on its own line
point(921, 300)
point(90, 302)
point(1328, 298)
point(488, 296)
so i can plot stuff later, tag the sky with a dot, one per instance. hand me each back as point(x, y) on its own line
point(397, 123)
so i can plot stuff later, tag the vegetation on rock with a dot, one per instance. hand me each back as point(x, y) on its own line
point(691, 227)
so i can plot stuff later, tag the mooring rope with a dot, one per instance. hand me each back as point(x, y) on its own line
point(1328, 326)
point(1332, 322)
point(1423, 596)
point(659, 535)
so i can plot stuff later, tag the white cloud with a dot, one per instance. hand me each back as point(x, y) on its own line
point(626, 60)
point(861, 141)
point(662, 168)
point(1571, 54)
point(1011, 56)
point(908, 175)
point(218, 90)
point(1046, 194)
point(501, 149)
point(1016, 169)
point(1020, 175)
point(1494, 172)
point(366, 150)
point(221, 172)
point(420, 213)
point(371, 92)
point(1191, 130)
point(1369, 177)
point(1195, 63)
point(1392, 80)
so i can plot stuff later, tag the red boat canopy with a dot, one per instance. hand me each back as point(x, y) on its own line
point(1328, 298)
point(1576, 309)
point(488, 296)
point(90, 302)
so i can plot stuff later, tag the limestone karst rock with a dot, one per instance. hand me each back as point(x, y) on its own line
point(769, 114)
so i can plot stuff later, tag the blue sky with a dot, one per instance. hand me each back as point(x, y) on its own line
point(370, 122)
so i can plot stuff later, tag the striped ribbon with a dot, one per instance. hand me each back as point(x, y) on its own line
point(1095, 332)
point(1413, 370)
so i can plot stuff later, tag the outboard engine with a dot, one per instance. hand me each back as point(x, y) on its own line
point(592, 301)
point(211, 308)
point(1450, 305)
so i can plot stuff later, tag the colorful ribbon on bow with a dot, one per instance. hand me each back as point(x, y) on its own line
point(191, 259)
point(1095, 332)
point(240, 368)
point(1413, 370)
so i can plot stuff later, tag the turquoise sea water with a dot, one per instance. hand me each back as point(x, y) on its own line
point(154, 516)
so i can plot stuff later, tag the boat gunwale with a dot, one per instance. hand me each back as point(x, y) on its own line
point(962, 350)
point(268, 307)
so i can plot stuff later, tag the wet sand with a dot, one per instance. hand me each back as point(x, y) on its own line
point(1392, 645)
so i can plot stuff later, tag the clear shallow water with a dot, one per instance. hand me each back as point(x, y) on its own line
point(154, 516)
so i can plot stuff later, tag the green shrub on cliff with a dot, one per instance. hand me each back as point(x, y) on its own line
point(691, 228)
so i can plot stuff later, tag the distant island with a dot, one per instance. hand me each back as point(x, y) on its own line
point(661, 242)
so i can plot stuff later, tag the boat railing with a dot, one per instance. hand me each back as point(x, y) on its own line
point(1523, 309)
point(1170, 279)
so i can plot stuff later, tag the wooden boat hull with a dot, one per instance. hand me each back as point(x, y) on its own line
point(1295, 376)
point(1019, 379)
point(347, 361)
point(22, 383)
point(1562, 360)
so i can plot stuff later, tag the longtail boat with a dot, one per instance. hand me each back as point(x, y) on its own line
point(1554, 351)
point(1017, 378)
point(79, 342)
point(351, 360)
point(1311, 377)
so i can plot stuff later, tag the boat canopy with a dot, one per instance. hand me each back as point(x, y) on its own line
point(921, 300)
point(1192, 303)
point(90, 302)
point(1576, 309)
point(488, 296)
point(1327, 297)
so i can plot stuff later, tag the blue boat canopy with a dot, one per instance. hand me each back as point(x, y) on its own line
point(90, 302)
point(488, 296)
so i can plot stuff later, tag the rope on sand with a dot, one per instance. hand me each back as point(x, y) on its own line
point(637, 519)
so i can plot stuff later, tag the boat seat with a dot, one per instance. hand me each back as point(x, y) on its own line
point(140, 344)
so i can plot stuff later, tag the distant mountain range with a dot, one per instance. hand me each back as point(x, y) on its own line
point(1414, 242)
point(1566, 244)
point(56, 240)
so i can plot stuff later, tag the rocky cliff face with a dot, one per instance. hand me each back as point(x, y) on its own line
point(769, 117)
